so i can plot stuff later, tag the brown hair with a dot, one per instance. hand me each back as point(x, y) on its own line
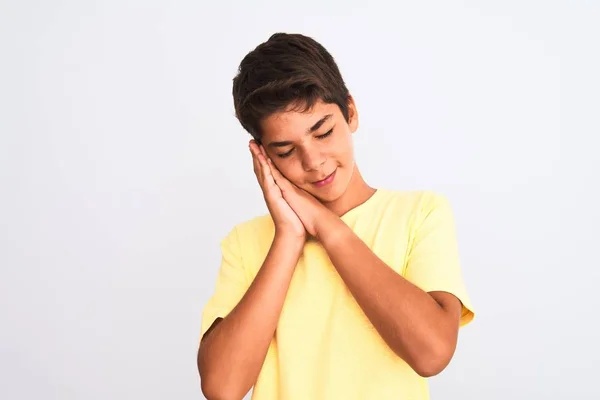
point(288, 71)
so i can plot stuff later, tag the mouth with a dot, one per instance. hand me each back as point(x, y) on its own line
point(326, 181)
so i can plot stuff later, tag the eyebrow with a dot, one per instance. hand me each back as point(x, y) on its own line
point(312, 129)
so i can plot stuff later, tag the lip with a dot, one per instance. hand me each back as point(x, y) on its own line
point(326, 181)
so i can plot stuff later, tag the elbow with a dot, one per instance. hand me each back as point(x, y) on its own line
point(433, 362)
point(211, 386)
point(220, 385)
point(210, 391)
point(428, 370)
point(218, 382)
point(215, 390)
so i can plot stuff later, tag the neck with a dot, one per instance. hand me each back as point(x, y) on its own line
point(357, 192)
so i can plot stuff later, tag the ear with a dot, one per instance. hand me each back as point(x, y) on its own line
point(352, 115)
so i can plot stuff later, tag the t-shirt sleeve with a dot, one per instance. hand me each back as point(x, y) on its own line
point(231, 284)
point(433, 261)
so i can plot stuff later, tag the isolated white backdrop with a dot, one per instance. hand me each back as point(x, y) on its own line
point(122, 166)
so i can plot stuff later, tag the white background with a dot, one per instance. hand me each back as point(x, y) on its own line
point(122, 166)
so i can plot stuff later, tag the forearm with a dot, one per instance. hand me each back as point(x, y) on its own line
point(232, 354)
point(409, 320)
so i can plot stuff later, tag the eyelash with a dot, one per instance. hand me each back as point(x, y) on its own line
point(323, 136)
point(320, 137)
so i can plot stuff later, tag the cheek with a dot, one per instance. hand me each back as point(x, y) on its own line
point(291, 170)
point(344, 151)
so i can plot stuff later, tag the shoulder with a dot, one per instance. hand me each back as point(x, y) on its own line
point(247, 243)
point(253, 232)
point(255, 225)
point(414, 208)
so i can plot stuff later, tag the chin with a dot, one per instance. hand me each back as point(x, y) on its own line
point(326, 196)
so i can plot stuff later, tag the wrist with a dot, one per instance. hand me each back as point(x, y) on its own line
point(328, 227)
point(289, 240)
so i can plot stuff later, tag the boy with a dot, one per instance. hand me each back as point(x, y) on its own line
point(342, 291)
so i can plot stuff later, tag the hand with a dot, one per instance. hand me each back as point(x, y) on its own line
point(311, 211)
point(285, 219)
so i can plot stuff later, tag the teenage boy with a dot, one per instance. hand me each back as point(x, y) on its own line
point(342, 291)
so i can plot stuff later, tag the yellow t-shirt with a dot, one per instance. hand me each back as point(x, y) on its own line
point(324, 346)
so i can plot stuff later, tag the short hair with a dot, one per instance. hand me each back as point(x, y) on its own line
point(287, 72)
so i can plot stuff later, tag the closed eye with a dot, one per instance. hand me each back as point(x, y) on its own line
point(323, 136)
point(286, 154)
point(320, 137)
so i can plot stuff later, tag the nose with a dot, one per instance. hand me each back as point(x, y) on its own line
point(312, 160)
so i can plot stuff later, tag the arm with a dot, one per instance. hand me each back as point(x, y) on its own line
point(232, 352)
point(420, 327)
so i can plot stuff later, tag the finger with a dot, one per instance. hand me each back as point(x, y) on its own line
point(264, 158)
point(267, 171)
point(284, 185)
point(280, 180)
point(263, 151)
point(254, 149)
point(263, 172)
point(256, 165)
point(264, 175)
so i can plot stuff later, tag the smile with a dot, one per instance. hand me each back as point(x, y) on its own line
point(326, 181)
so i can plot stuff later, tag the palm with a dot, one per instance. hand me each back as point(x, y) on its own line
point(306, 207)
point(277, 205)
point(283, 215)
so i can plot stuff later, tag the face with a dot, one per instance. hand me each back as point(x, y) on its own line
point(313, 149)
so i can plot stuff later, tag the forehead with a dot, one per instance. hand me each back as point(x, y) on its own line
point(291, 124)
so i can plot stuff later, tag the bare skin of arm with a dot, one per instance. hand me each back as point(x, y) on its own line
point(232, 352)
point(420, 327)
